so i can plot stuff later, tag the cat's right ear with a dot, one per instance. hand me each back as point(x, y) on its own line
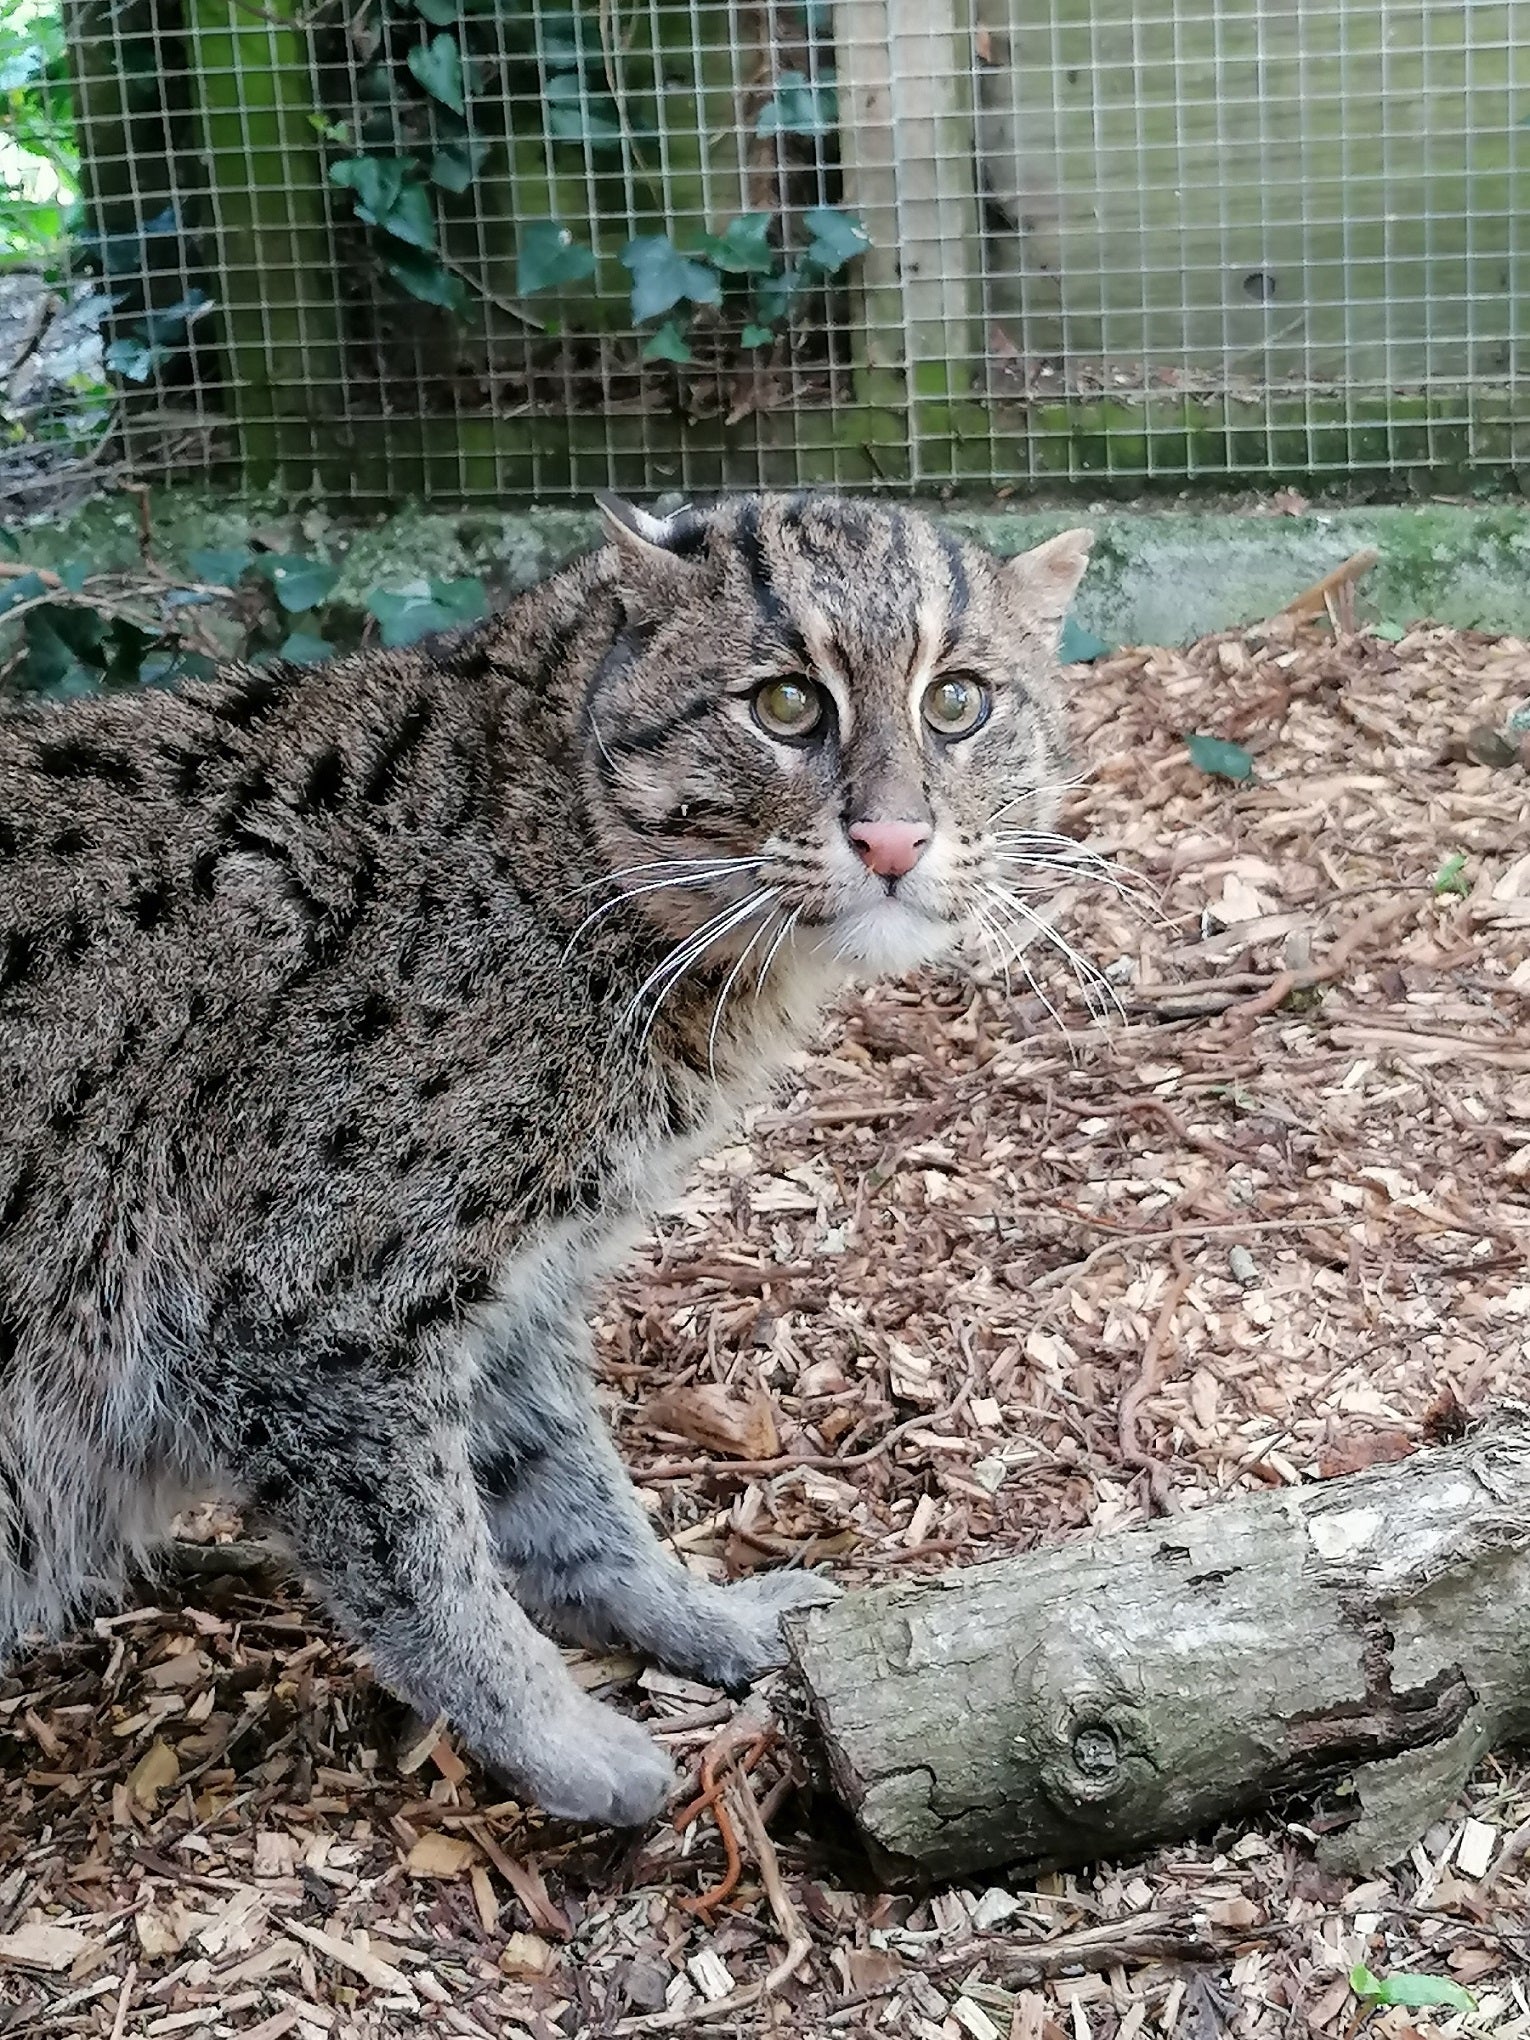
point(645, 542)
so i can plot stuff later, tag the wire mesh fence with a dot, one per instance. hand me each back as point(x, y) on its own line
point(472, 249)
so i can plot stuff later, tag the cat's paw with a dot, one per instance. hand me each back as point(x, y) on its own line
point(593, 1764)
point(747, 1640)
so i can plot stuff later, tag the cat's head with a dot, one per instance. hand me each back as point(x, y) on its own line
point(828, 717)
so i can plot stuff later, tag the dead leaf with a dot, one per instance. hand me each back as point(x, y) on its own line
point(165, 1929)
point(735, 1426)
point(1366, 1448)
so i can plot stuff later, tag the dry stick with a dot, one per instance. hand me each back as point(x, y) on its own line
point(1358, 932)
point(789, 1462)
point(714, 1799)
point(1312, 601)
point(799, 1943)
point(1147, 1383)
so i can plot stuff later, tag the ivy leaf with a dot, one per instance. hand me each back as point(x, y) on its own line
point(1076, 647)
point(799, 106)
point(412, 220)
point(135, 359)
point(220, 565)
point(126, 645)
point(455, 164)
point(299, 583)
point(169, 667)
point(304, 649)
point(170, 323)
point(430, 606)
point(547, 255)
point(773, 294)
point(25, 589)
point(837, 238)
point(426, 280)
point(743, 247)
point(562, 41)
point(377, 181)
point(437, 65)
point(756, 336)
point(576, 114)
point(1412, 1991)
point(1451, 877)
point(1221, 759)
point(440, 13)
point(662, 276)
point(668, 344)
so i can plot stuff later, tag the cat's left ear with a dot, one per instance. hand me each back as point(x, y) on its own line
point(646, 543)
point(1046, 578)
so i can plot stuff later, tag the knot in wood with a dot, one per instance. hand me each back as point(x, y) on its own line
point(1095, 1754)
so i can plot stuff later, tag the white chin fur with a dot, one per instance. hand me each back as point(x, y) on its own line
point(886, 939)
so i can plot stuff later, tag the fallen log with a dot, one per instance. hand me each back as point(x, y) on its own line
point(1365, 1640)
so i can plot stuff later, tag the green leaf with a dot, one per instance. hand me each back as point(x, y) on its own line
point(773, 294)
point(426, 280)
point(1389, 633)
point(440, 13)
point(455, 164)
point(432, 606)
point(304, 649)
point(662, 276)
point(135, 359)
point(799, 106)
point(299, 583)
point(437, 65)
point(377, 181)
point(1216, 756)
point(24, 589)
point(756, 336)
point(668, 344)
point(1413, 1991)
point(743, 247)
point(1451, 877)
point(126, 645)
point(546, 255)
point(837, 238)
point(1076, 647)
point(167, 668)
point(220, 565)
point(412, 220)
point(576, 114)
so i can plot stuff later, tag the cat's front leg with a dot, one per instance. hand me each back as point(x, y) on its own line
point(378, 1499)
point(568, 1523)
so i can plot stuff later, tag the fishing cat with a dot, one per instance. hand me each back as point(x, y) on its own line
point(352, 1017)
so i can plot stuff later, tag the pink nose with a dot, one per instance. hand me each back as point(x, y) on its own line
point(890, 848)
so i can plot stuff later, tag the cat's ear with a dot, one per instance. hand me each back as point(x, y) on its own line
point(647, 543)
point(1045, 580)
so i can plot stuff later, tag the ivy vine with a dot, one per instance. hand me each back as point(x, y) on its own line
point(422, 135)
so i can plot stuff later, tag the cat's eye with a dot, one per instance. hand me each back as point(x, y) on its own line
point(954, 706)
point(788, 708)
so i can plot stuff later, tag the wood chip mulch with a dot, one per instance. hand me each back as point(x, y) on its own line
point(975, 1284)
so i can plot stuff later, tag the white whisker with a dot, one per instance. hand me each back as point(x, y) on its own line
point(770, 955)
point(1091, 981)
point(667, 974)
point(727, 985)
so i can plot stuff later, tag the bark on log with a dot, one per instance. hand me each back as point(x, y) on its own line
point(1370, 1634)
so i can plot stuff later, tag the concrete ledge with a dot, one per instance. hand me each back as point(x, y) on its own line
point(1160, 576)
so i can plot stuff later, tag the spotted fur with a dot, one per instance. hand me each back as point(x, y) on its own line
point(346, 1033)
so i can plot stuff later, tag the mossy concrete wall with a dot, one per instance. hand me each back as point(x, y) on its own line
point(1160, 576)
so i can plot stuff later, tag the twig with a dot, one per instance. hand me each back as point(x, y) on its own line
point(1148, 1383)
point(714, 1800)
point(1358, 933)
point(1314, 600)
point(799, 1943)
point(789, 1462)
point(1142, 1937)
